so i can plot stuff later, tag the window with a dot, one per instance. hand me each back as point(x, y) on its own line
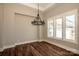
point(50, 28)
point(59, 28)
point(70, 27)
point(63, 26)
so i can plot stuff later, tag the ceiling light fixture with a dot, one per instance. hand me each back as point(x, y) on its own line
point(37, 20)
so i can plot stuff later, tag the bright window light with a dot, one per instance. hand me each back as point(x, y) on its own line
point(50, 28)
point(70, 27)
point(59, 28)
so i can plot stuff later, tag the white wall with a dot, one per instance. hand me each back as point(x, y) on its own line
point(61, 8)
point(1, 17)
point(11, 21)
point(24, 30)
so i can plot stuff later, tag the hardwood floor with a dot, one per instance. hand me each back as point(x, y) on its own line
point(37, 49)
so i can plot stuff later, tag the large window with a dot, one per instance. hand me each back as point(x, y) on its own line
point(59, 27)
point(63, 27)
point(70, 27)
point(50, 28)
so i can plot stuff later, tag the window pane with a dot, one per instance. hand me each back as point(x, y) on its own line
point(59, 28)
point(50, 28)
point(70, 27)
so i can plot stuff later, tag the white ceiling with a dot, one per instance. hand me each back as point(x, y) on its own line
point(42, 6)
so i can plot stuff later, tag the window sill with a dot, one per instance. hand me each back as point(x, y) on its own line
point(70, 41)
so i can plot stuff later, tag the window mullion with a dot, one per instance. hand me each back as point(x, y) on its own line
point(64, 28)
point(54, 28)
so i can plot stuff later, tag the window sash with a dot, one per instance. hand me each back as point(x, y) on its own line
point(58, 27)
point(63, 26)
point(70, 27)
point(50, 28)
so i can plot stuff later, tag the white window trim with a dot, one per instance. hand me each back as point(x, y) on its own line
point(68, 14)
point(64, 26)
point(55, 27)
point(47, 27)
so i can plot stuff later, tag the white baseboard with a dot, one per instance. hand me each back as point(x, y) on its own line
point(25, 42)
point(65, 47)
point(10, 46)
point(41, 40)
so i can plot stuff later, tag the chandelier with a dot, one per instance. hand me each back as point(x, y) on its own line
point(37, 20)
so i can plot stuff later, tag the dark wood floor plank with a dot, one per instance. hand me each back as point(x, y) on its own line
point(49, 50)
point(58, 50)
point(37, 49)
